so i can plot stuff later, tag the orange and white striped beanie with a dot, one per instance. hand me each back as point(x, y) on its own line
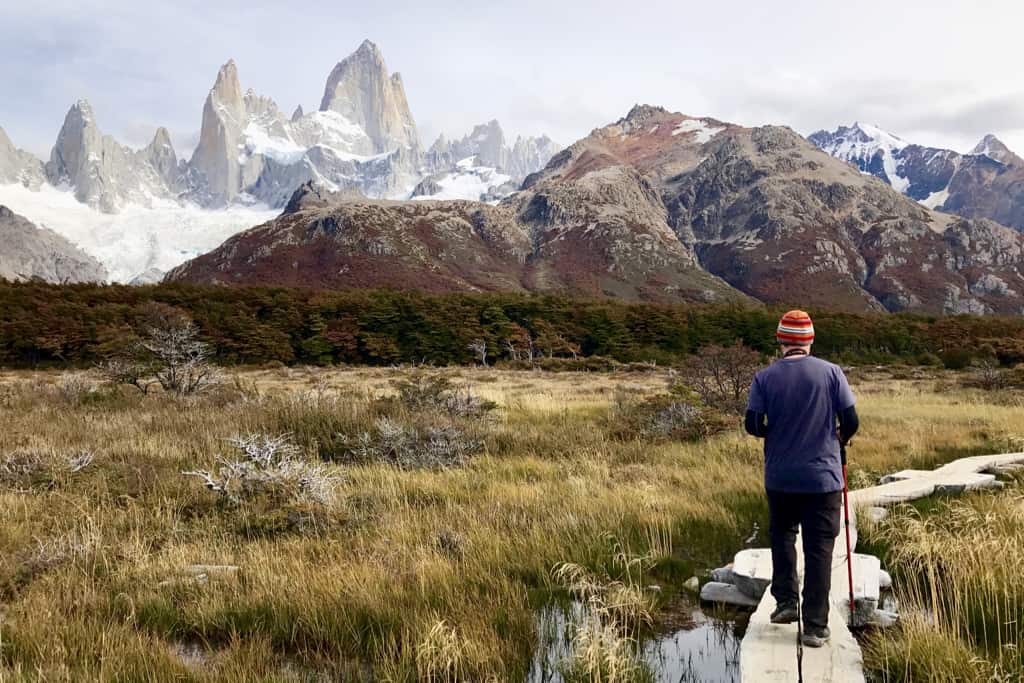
point(795, 329)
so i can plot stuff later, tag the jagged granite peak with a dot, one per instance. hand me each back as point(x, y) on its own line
point(215, 159)
point(530, 154)
point(987, 183)
point(103, 173)
point(360, 89)
point(297, 114)
point(32, 253)
point(161, 156)
point(486, 142)
point(19, 166)
point(994, 148)
point(482, 160)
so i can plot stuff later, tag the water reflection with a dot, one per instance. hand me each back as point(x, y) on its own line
point(690, 647)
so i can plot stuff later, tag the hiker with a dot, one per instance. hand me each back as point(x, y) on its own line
point(803, 408)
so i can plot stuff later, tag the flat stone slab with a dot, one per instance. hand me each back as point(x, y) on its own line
point(752, 571)
point(768, 651)
point(726, 593)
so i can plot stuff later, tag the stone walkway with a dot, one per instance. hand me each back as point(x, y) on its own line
point(768, 652)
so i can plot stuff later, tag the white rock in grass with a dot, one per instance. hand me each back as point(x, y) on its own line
point(213, 570)
point(876, 514)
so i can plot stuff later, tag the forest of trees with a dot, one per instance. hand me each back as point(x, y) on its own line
point(78, 325)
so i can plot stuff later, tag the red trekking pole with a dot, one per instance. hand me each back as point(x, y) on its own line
point(846, 509)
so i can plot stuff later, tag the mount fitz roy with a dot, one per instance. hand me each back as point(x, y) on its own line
point(363, 139)
point(657, 206)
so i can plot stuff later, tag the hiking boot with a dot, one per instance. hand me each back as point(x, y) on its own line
point(785, 614)
point(816, 636)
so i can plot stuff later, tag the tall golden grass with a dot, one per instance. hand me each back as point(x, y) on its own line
point(958, 582)
point(407, 574)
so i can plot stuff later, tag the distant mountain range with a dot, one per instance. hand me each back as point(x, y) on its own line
point(987, 182)
point(656, 206)
point(363, 138)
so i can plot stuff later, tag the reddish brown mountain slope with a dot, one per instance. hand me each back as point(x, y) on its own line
point(654, 206)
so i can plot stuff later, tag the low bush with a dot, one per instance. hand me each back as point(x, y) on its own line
point(411, 447)
point(40, 469)
point(437, 393)
point(664, 418)
point(269, 467)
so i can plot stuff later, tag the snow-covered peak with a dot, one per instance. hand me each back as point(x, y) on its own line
point(870, 148)
point(872, 133)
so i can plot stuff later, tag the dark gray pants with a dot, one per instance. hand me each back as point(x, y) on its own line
point(817, 516)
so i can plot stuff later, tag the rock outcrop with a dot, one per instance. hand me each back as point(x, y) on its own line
point(104, 174)
point(32, 253)
point(18, 166)
point(360, 89)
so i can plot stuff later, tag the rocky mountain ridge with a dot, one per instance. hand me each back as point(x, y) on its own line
point(987, 182)
point(362, 137)
point(32, 253)
point(656, 206)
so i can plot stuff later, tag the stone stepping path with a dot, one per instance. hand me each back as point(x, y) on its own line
point(768, 651)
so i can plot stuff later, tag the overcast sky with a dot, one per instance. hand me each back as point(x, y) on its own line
point(937, 72)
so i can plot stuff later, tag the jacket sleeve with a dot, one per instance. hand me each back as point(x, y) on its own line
point(848, 424)
point(755, 424)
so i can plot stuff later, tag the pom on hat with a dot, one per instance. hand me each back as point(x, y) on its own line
point(795, 329)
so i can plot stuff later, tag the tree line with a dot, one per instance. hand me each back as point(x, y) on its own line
point(44, 325)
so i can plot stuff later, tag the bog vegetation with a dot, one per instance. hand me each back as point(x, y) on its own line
point(956, 567)
point(397, 524)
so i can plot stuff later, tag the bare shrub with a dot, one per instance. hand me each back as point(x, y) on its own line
point(720, 376)
point(171, 355)
point(675, 418)
point(128, 371)
point(57, 550)
point(75, 388)
point(182, 360)
point(437, 393)
point(986, 374)
point(663, 417)
point(409, 447)
point(30, 469)
point(269, 467)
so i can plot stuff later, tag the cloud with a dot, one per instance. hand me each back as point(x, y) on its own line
point(562, 68)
